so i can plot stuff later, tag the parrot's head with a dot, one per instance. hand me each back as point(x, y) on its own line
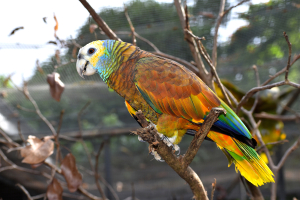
point(93, 58)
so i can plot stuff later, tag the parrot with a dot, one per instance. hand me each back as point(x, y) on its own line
point(172, 98)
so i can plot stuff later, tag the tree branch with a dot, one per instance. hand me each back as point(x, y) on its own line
point(201, 134)
point(289, 58)
point(24, 190)
point(179, 165)
point(131, 26)
point(265, 115)
point(219, 20)
point(203, 74)
point(105, 28)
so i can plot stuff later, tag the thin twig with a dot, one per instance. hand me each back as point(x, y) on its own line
point(80, 134)
point(258, 84)
point(96, 170)
point(213, 189)
point(290, 102)
point(20, 133)
point(181, 61)
point(24, 190)
point(58, 153)
point(8, 139)
point(131, 26)
point(147, 41)
point(287, 153)
point(37, 110)
point(204, 53)
point(85, 147)
point(265, 115)
point(76, 44)
point(271, 143)
point(86, 193)
point(25, 109)
point(280, 72)
point(99, 21)
point(141, 38)
point(219, 20)
point(289, 58)
point(203, 74)
point(221, 15)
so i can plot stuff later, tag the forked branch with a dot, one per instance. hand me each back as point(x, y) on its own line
point(179, 164)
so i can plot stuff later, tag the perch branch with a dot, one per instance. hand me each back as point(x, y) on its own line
point(179, 165)
point(201, 134)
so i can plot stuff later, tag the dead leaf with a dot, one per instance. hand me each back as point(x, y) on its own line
point(71, 173)
point(207, 14)
point(54, 190)
point(38, 150)
point(56, 85)
point(45, 20)
point(16, 29)
point(52, 42)
point(93, 27)
point(56, 25)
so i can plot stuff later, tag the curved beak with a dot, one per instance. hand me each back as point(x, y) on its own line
point(80, 66)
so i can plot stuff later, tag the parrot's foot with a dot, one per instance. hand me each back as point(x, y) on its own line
point(169, 142)
point(140, 139)
point(156, 155)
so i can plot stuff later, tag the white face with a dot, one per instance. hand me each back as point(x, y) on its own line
point(88, 57)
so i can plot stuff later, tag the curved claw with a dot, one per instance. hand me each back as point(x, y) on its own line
point(169, 143)
point(176, 148)
point(156, 156)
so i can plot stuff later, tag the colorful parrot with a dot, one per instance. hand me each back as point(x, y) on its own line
point(173, 98)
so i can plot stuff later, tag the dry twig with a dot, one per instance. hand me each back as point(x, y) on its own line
point(99, 21)
point(213, 189)
point(24, 190)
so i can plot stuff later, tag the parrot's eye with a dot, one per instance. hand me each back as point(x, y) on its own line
point(91, 50)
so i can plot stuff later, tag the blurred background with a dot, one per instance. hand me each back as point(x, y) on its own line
point(47, 37)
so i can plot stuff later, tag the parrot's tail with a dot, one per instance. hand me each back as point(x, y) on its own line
point(245, 158)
